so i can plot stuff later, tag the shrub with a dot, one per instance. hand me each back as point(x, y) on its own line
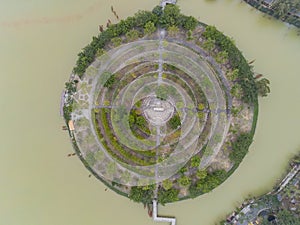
point(132, 35)
point(117, 41)
point(245, 76)
point(184, 181)
point(167, 184)
point(195, 161)
point(165, 196)
point(240, 147)
point(110, 81)
point(138, 194)
point(149, 28)
point(174, 122)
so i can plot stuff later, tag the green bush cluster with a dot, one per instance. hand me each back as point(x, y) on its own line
point(138, 122)
point(130, 27)
point(110, 81)
point(184, 181)
point(245, 75)
point(207, 183)
point(167, 196)
point(141, 194)
point(174, 122)
point(116, 145)
point(240, 147)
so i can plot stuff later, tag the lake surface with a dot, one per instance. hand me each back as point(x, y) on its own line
point(40, 185)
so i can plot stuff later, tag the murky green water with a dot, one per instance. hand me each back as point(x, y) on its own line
point(39, 41)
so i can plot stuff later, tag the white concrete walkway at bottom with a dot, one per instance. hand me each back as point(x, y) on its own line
point(161, 219)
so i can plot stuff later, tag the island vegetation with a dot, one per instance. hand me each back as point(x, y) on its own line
point(192, 179)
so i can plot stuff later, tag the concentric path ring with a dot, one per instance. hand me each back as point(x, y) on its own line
point(142, 52)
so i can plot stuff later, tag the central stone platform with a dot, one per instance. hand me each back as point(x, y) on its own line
point(157, 111)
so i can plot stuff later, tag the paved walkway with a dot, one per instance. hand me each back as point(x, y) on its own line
point(160, 60)
point(161, 219)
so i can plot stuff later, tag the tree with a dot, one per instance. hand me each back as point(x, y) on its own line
point(132, 35)
point(149, 28)
point(208, 184)
point(194, 190)
point(117, 41)
point(188, 22)
point(233, 75)
point(165, 196)
point(167, 184)
point(263, 87)
point(110, 81)
point(183, 170)
point(201, 107)
point(237, 61)
point(131, 119)
point(209, 45)
point(201, 174)
point(157, 10)
point(283, 7)
point(285, 217)
point(222, 57)
point(100, 52)
point(184, 181)
point(195, 161)
point(70, 87)
point(138, 194)
point(240, 147)
point(140, 121)
point(189, 35)
point(236, 90)
point(143, 17)
point(173, 30)
point(170, 16)
point(201, 115)
point(174, 122)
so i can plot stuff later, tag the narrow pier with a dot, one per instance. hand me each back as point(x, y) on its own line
point(163, 3)
point(161, 219)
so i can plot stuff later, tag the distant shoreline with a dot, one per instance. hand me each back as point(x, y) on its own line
point(292, 18)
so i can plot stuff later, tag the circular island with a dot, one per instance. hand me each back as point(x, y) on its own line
point(161, 106)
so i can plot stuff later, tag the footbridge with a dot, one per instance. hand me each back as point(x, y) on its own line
point(155, 217)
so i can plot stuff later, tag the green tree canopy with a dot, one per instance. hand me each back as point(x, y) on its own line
point(138, 194)
point(167, 184)
point(195, 161)
point(201, 174)
point(174, 122)
point(184, 181)
point(263, 87)
point(165, 196)
point(170, 16)
point(149, 28)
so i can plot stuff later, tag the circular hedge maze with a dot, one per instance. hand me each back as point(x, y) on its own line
point(160, 114)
